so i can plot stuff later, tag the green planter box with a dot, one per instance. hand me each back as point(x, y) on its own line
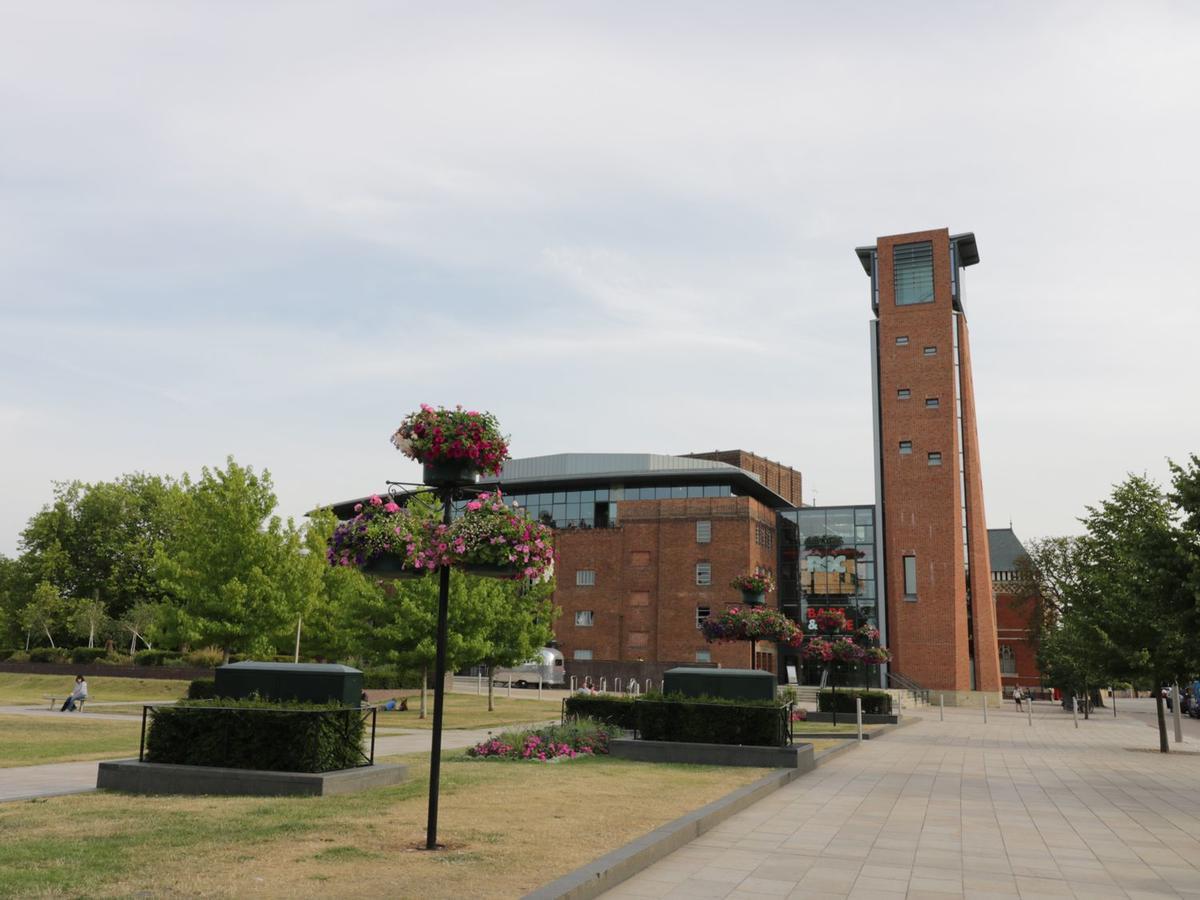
point(309, 682)
point(728, 684)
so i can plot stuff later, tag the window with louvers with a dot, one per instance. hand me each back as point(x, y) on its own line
point(912, 273)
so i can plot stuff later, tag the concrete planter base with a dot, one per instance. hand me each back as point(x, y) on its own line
point(848, 718)
point(160, 778)
point(797, 756)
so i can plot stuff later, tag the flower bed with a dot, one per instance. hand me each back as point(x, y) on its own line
point(582, 737)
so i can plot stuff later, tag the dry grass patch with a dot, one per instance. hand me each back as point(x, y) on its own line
point(34, 740)
point(29, 690)
point(508, 827)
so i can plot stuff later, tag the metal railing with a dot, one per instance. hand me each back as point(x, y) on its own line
point(342, 721)
point(905, 683)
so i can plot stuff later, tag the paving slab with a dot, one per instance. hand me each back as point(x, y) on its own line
point(960, 808)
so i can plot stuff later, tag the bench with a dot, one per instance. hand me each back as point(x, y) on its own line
point(54, 701)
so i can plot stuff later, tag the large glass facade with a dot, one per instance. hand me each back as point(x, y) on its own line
point(827, 559)
point(597, 507)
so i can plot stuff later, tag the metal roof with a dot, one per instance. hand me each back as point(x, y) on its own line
point(1004, 549)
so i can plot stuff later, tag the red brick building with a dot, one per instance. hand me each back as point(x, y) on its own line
point(941, 623)
point(1014, 615)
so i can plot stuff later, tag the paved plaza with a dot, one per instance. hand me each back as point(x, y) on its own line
point(963, 809)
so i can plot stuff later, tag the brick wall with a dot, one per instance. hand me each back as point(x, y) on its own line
point(783, 480)
point(645, 596)
point(1013, 629)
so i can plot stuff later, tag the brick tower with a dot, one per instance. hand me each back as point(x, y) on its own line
point(941, 621)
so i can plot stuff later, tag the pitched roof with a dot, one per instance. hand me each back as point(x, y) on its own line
point(1004, 548)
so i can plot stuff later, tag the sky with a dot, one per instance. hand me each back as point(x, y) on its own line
point(270, 230)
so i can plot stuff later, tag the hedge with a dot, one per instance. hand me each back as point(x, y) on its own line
point(249, 734)
point(49, 655)
point(5, 654)
point(703, 720)
point(156, 657)
point(88, 654)
point(202, 689)
point(393, 677)
point(873, 702)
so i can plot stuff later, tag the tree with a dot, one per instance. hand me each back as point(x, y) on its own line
point(518, 621)
point(89, 616)
point(1136, 598)
point(236, 576)
point(44, 611)
point(138, 620)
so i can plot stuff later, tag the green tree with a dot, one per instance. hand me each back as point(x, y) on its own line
point(88, 617)
point(141, 620)
point(235, 574)
point(517, 621)
point(44, 611)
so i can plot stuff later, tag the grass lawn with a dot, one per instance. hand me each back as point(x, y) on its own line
point(801, 728)
point(33, 740)
point(470, 711)
point(28, 690)
point(508, 828)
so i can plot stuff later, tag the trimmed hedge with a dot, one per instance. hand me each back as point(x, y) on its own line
point(250, 734)
point(156, 657)
point(88, 654)
point(5, 654)
point(873, 702)
point(49, 654)
point(202, 689)
point(391, 677)
point(703, 720)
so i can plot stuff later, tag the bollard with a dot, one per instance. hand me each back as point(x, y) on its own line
point(604, 685)
point(1029, 710)
point(574, 681)
point(1175, 713)
point(985, 709)
point(617, 685)
point(539, 685)
point(479, 683)
point(1113, 691)
point(510, 684)
point(941, 707)
point(1075, 710)
point(858, 716)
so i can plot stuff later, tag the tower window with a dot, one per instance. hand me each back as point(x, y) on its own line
point(703, 531)
point(931, 402)
point(910, 577)
point(585, 577)
point(703, 574)
point(935, 459)
point(905, 448)
point(912, 273)
point(903, 394)
point(930, 351)
point(902, 340)
point(584, 618)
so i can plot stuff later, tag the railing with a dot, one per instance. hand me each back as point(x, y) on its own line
point(905, 683)
point(149, 710)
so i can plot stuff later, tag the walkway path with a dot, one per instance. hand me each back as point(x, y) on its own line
point(963, 809)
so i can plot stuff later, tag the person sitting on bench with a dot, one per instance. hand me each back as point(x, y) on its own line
point(77, 696)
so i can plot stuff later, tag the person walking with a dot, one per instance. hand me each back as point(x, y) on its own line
point(77, 696)
point(1017, 697)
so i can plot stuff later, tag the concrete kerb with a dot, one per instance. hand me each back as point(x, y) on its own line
point(594, 878)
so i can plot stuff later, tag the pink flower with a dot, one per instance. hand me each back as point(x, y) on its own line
point(392, 507)
point(474, 505)
point(376, 500)
point(358, 507)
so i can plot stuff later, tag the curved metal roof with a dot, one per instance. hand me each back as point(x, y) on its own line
point(561, 466)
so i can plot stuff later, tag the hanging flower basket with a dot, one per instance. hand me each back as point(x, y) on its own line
point(832, 619)
point(454, 445)
point(753, 598)
point(753, 583)
point(490, 570)
point(748, 624)
point(390, 566)
point(381, 534)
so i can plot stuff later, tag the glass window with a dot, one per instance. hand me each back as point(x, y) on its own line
point(864, 515)
point(935, 459)
point(585, 577)
point(582, 654)
point(703, 574)
point(932, 402)
point(695, 490)
point(1008, 660)
point(587, 496)
point(905, 448)
point(702, 613)
point(703, 532)
point(573, 511)
point(902, 340)
point(912, 273)
point(679, 492)
point(583, 618)
point(930, 351)
point(903, 394)
point(910, 576)
point(712, 490)
point(560, 497)
point(864, 534)
point(662, 493)
point(704, 656)
point(601, 494)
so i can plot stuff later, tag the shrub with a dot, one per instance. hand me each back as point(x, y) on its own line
point(6, 654)
point(156, 657)
point(18, 656)
point(116, 659)
point(205, 658)
point(705, 720)
point(87, 654)
point(391, 678)
point(49, 655)
point(873, 702)
point(252, 734)
point(202, 689)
